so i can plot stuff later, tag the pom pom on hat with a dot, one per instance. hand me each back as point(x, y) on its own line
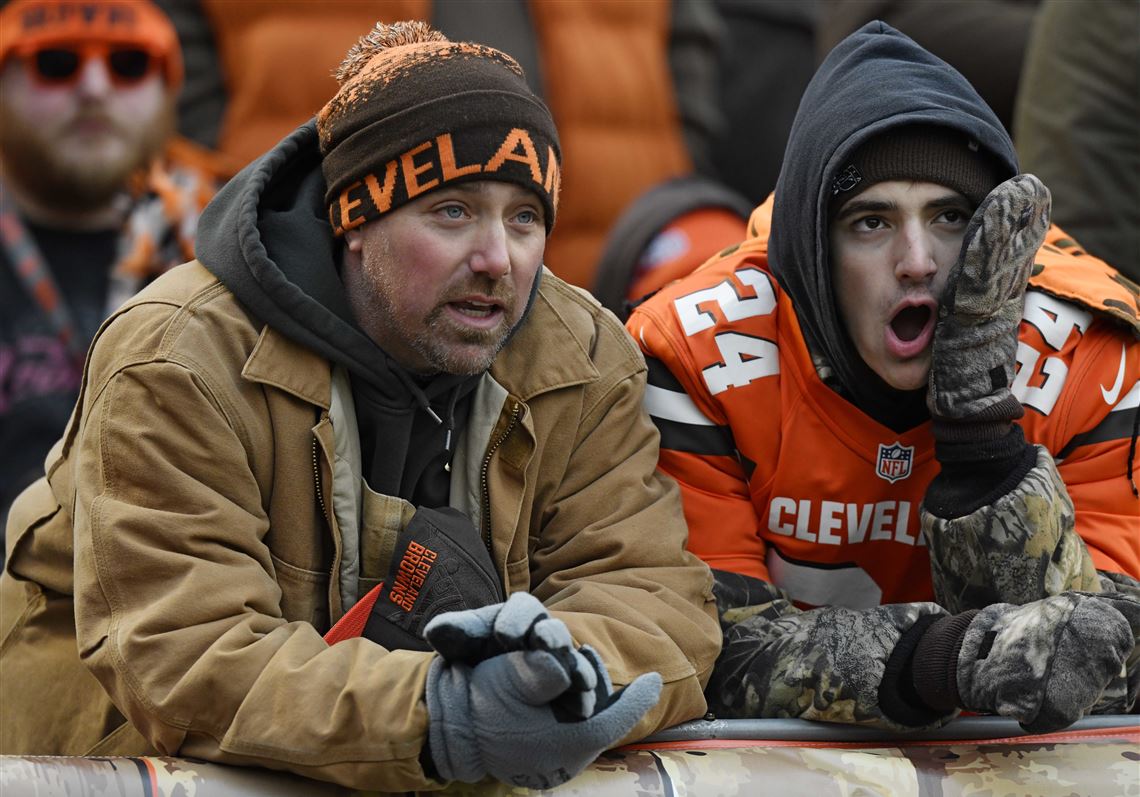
point(416, 111)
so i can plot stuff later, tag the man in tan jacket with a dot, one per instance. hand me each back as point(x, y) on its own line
point(366, 402)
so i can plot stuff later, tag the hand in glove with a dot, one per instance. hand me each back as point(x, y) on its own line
point(982, 452)
point(438, 565)
point(975, 341)
point(1121, 694)
point(519, 623)
point(497, 719)
point(1045, 663)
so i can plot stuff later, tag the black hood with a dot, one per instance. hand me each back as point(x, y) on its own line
point(874, 80)
point(265, 236)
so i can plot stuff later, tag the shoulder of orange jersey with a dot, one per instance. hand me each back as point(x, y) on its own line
point(1065, 271)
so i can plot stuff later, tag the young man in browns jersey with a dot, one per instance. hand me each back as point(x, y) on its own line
point(913, 476)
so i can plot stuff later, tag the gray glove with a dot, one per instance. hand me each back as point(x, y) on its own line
point(975, 342)
point(520, 623)
point(497, 719)
point(472, 635)
point(1045, 663)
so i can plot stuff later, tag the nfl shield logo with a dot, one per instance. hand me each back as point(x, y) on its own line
point(894, 461)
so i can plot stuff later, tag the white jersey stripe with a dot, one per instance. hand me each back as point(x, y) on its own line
point(851, 587)
point(673, 406)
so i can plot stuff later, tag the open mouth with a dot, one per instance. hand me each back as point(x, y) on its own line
point(910, 322)
point(477, 313)
point(911, 330)
point(475, 309)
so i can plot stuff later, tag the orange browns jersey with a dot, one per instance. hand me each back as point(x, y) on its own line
point(785, 480)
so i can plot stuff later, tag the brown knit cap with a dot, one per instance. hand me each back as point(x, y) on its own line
point(919, 153)
point(416, 112)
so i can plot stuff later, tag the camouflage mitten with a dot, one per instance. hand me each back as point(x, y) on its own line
point(1120, 696)
point(1020, 547)
point(1044, 664)
point(983, 454)
point(830, 664)
point(976, 337)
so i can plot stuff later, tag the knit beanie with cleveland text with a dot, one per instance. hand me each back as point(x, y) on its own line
point(416, 112)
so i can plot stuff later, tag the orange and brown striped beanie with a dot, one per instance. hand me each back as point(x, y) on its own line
point(416, 112)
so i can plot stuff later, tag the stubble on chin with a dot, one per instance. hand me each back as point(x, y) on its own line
point(435, 342)
point(455, 350)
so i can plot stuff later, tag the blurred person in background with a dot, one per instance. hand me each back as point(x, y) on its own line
point(766, 57)
point(985, 40)
point(95, 199)
point(1077, 122)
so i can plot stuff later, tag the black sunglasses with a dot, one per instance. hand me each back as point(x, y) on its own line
point(58, 66)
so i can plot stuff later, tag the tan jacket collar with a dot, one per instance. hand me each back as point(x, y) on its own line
point(276, 360)
point(545, 353)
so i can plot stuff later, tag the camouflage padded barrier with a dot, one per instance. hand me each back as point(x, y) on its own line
point(1019, 549)
point(1092, 763)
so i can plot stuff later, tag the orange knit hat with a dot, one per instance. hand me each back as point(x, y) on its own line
point(27, 25)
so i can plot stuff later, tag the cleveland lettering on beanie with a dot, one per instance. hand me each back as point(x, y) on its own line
point(416, 111)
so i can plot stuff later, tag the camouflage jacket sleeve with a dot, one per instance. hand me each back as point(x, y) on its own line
point(823, 664)
point(1020, 548)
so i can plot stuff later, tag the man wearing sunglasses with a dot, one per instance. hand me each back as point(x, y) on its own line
point(95, 199)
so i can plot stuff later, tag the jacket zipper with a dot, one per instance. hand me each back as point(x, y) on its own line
point(334, 600)
point(487, 468)
point(317, 480)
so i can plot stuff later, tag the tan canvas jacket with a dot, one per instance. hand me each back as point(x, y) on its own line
point(206, 481)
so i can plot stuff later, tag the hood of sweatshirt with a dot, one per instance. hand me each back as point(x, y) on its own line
point(874, 80)
point(266, 237)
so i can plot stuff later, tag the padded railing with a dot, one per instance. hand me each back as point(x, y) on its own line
point(1097, 757)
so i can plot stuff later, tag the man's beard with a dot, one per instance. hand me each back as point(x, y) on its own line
point(452, 362)
point(437, 341)
point(35, 162)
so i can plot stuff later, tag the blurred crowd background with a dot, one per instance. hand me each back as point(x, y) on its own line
point(645, 91)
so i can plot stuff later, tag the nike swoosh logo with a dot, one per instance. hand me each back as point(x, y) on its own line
point(1110, 396)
